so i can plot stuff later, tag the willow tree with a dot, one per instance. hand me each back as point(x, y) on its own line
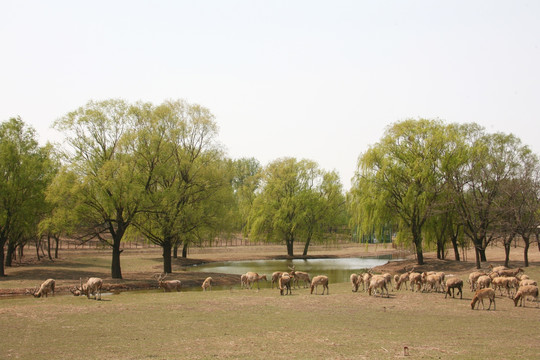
point(25, 170)
point(107, 190)
point(245, 180)
point(399, 180)
point(324, 205)
point(290, 202)
point(184, 197)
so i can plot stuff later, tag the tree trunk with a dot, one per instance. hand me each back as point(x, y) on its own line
point(419, 256)
point(184, 249)
point(290, 251)
point(116, 270)
point(527, 242)
point(57, 245)
point(440, 250)
point(20, 251)
point(306, 247)
point(117, 235)
point(175, 251)
point(167, 262)
point(456, 248)
point(2, 271)
point(417, 239)
point(49, 246)
point(10, 252)
point(482, 252)
point(507, 253)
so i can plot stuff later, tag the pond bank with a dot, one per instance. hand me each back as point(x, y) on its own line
point(72, 266)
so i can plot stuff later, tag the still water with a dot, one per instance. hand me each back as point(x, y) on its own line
point(337, 270)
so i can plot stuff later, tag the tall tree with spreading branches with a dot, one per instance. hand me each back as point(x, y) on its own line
point(399, 179)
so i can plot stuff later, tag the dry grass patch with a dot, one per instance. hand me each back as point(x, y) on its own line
point(241, 324)
point(261, 325)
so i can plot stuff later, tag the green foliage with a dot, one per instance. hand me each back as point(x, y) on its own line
point(186, 191)
point(26, 170)
point(399, 180)
point(245, 181)
point(106, 192)
point(484, 180)
point(297, 200)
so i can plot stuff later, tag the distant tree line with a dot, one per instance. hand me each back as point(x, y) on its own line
point(440, 183)
point(159, 172)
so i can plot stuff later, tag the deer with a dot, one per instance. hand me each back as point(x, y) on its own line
point(168, 285)
point(252, 277)
point(92, 287)
point(275, 277)
point(320, 280)
point(43, 290)
point(284, 283)
point(299, 275)
point(207, 284)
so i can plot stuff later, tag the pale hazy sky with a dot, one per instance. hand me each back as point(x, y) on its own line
point(319, 80)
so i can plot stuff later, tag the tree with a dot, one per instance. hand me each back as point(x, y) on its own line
point(477, 174)
point(107, 191)
point(246, 178)
point(521, 201)
point(184, 195)
point(25, 174)
point(63, 217)
point(400, 179)
point(291, 200)
point(324, 207)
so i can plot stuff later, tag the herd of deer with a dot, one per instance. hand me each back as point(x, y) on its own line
point(284, 280)
point(94, 285)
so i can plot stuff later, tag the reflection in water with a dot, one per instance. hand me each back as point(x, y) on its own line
point(337, 270)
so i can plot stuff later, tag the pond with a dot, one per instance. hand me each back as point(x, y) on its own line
point(338, 269)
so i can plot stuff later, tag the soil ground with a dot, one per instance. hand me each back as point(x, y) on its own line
point(67, 270)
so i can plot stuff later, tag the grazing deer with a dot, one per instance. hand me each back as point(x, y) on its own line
point(207, 284)
point(285, 283)
point(92, 287)
point(275, 277)
point(168, 285)
point(320, 280)
point(46, 287)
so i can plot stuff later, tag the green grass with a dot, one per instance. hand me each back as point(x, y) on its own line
point(243, 324)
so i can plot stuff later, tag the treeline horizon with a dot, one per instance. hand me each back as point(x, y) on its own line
point(159, 171)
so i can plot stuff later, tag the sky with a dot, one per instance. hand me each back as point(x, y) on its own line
point(317, 80)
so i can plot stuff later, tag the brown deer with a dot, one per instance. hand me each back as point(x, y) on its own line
point(168, 285)
point(299, 275)
point(320, 280)
point(92, 287)
point(285, 283)
point(46, 287)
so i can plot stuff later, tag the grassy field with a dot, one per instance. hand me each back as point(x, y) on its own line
point(249, 324)
point(243, 324)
